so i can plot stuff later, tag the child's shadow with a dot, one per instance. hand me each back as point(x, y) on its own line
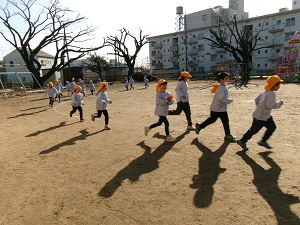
point(145, 163)
point(209, 171)
point(266, 182)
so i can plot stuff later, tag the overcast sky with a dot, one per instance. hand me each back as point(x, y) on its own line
point(153, 17)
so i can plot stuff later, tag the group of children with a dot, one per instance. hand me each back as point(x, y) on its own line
point(54, 91)
point(70, 86)
point(101, 103)
point(265, 102)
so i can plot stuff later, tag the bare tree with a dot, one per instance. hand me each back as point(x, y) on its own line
point(240, 42)
point(97, 64)
point(120, 46)
point(47, 27)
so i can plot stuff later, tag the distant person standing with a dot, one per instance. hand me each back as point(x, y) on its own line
point(131, 82)
point(182, 98)
point(146, 82)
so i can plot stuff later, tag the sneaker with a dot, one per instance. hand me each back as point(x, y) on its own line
point(230, 137)
point(146, 130)
point(71, 114)
point(171, 139)
point(191, 128)
point(242, 144)
point(264, 144)
point(106, 127)
point(197, 130)
point(92, 117)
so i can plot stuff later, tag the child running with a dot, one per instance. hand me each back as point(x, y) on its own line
point(182, 99)
point(218, 107)
point(101, 104)
point(82, 85)
point(69, 87)
point(58, 86)
point(77, 102)
point(126, 84)
point(51, 93)
point(92, 87)
point(163, 100)
point(265, 102)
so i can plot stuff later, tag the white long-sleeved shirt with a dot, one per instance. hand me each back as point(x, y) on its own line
point(77, 99)
point(58, 87)
point(182, 90)
point(220, 100)
point(51, 92)
point(102, 101)
point(265, 102)
point(162, 103)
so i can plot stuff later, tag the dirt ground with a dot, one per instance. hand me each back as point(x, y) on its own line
point(57, 170)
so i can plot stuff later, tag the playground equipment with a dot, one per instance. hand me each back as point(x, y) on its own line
point(18, 83)
point(286, 67)
point(231, 67)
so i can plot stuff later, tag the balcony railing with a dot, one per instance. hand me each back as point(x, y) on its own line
point(174, 48)
point(193, 63)
point(276, 28)
point(193, 52)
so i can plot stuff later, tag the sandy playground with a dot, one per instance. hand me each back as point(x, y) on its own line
point(57, 170)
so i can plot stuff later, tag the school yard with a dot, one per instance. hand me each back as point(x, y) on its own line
point(57, 170)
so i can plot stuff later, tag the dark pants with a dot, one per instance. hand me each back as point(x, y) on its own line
point(185, 107)
point(213, 118)
point(79, 109)
point(256, 127)
point(105, 113)
point(58, 96)
point(162, 119)
point(51, 100)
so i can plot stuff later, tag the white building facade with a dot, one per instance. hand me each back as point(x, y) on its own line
point(187, 50)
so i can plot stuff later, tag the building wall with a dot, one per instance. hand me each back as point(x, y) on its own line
point(170, 53)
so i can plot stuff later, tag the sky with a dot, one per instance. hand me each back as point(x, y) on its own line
point(155, 17)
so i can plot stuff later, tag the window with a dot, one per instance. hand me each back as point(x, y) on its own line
point(11, 63)
point(201, 69)
point(258, 65)
point(213, 58)
point(258, 52)
point(200, 36)
point(290, 22)
point(287, 36)
point(204, 17)
point(259, 25)
point(201, 59)
point(278, 22)
point(266, 65)
point(267, 23)
point(200, 48)
point(266, 51)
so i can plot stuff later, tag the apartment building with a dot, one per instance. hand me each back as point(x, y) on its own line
point(187, 50)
